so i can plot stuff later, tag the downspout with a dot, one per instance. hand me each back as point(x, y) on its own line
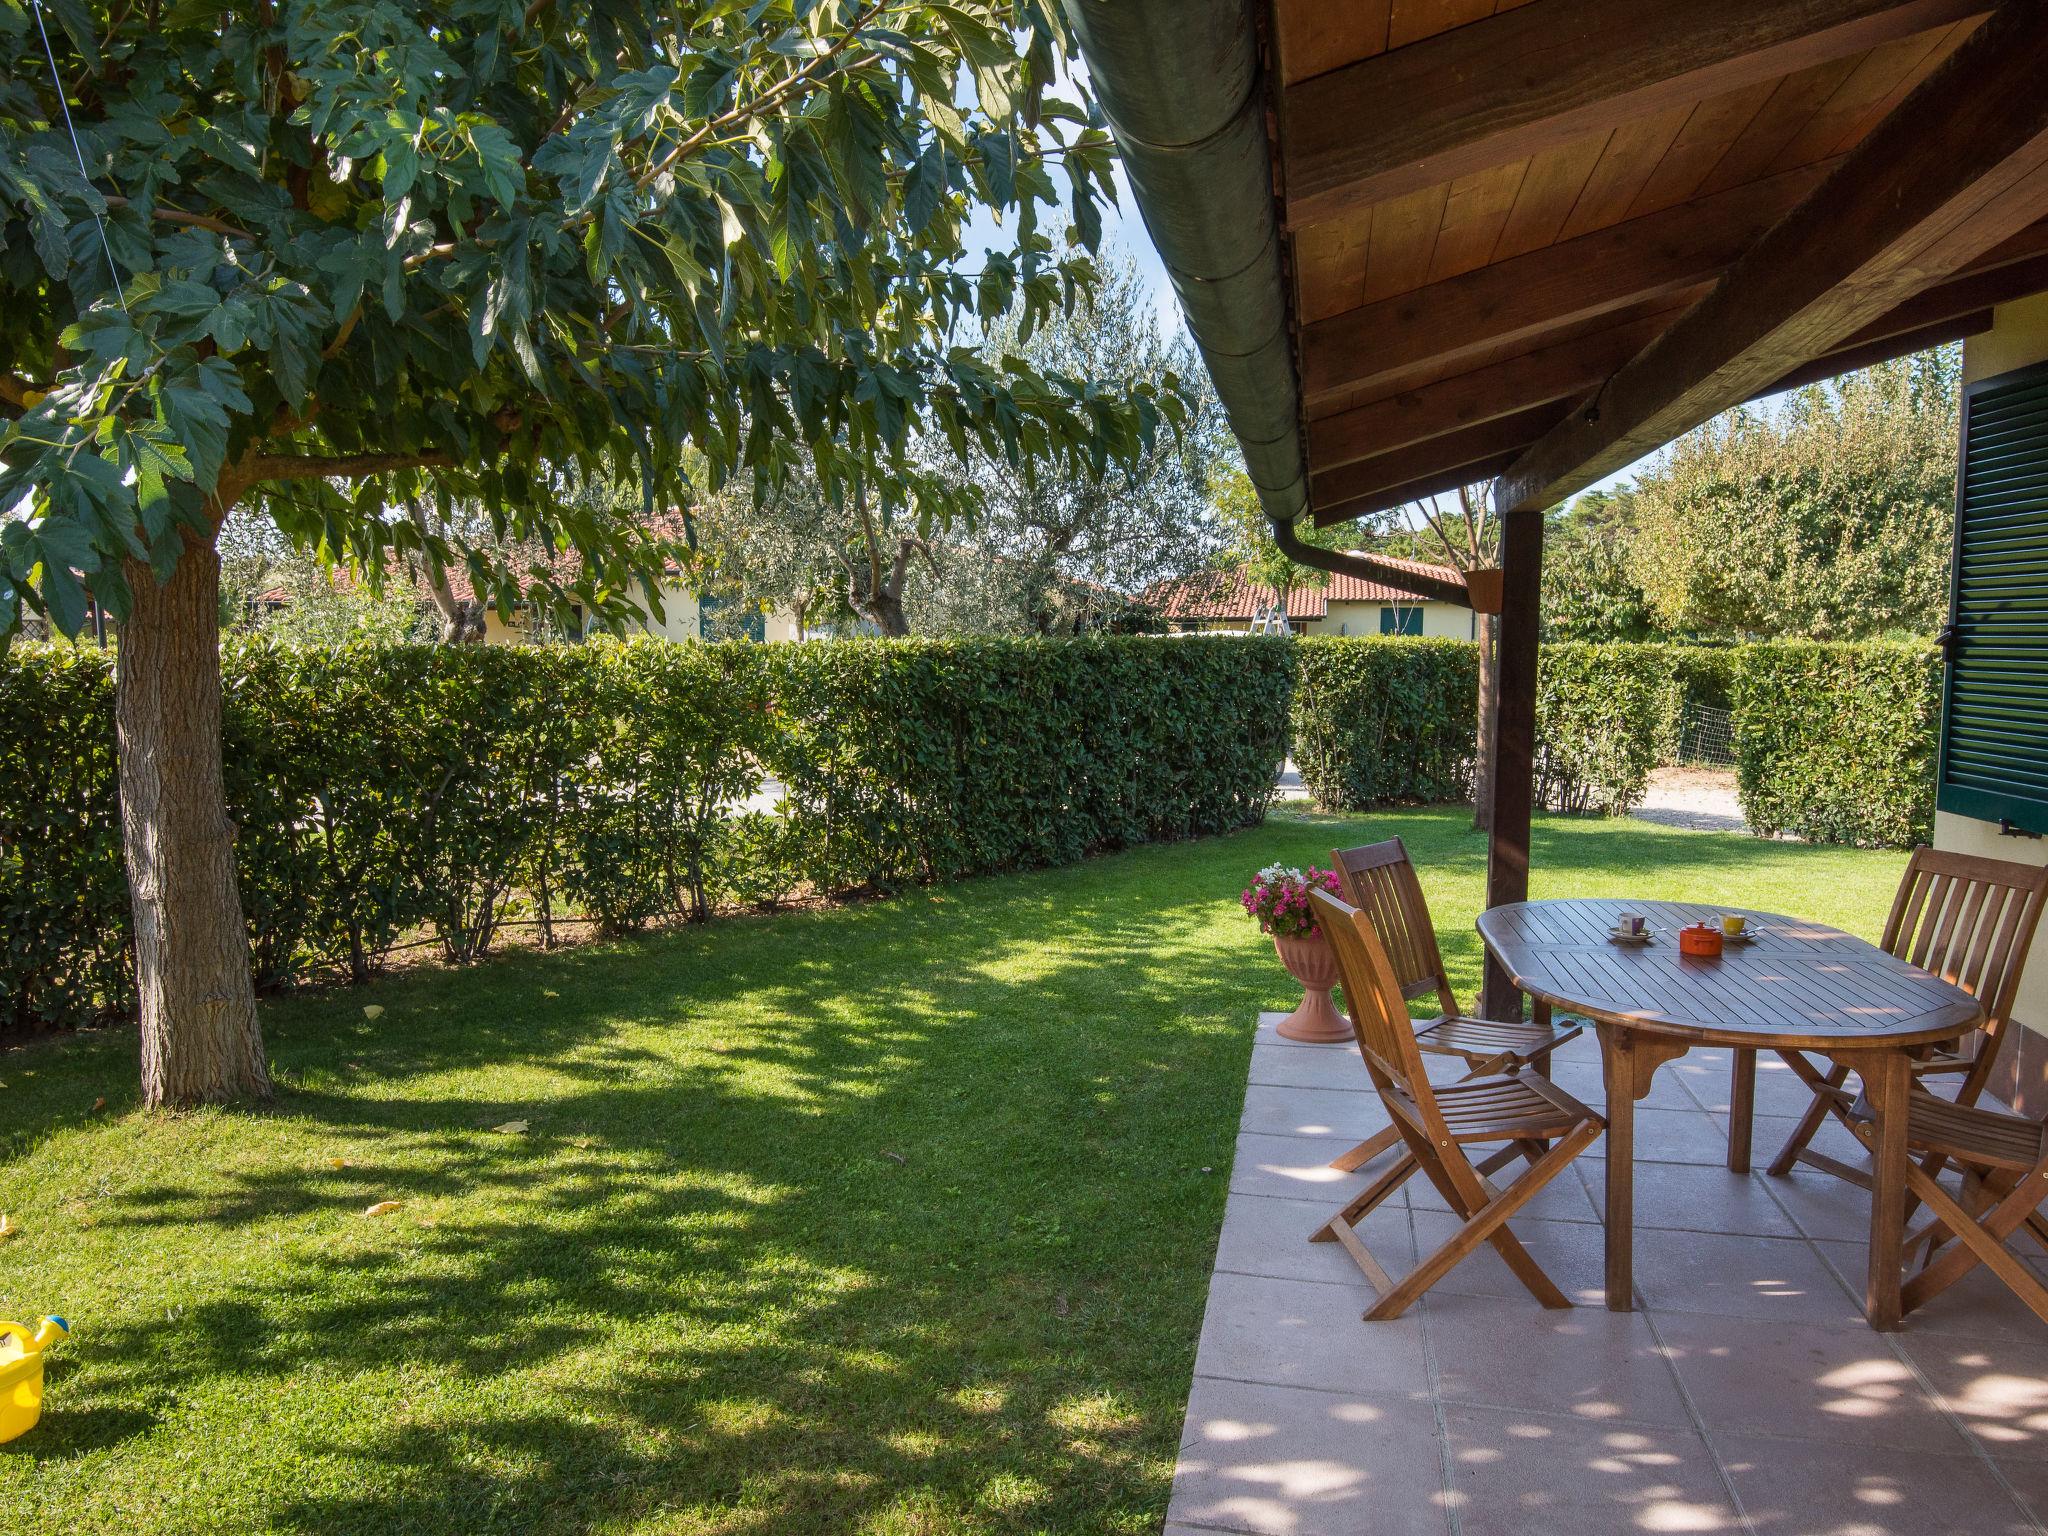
point(1181, 85)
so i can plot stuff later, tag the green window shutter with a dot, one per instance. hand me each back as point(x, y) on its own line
point(1994, 728)
point(1400, 621)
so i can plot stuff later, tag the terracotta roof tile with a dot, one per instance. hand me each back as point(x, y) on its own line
point(1228, 595)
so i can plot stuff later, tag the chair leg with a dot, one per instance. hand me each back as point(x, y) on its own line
point(1374, 1193)
point(1488, 1225)
point(1808, 1126)
point(1978, 1243)
point(1366, 1151)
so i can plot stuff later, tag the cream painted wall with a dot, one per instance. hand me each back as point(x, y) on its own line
point(2018, 336)
point(1440, 621)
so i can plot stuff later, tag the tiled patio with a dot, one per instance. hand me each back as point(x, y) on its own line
point(1745, 1393)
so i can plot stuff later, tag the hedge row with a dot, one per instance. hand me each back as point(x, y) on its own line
point(1393, 721)
point(384, 791)
point(1837, 743)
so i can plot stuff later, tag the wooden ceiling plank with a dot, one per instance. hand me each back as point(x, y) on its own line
point(1797, 100)
point(1608, 270)
point(1413, 20)
point(1403, 240)
point(1715, 124)
point(1958, 168)
point(1314, 36)
point(1883, 76)
point(1457, 90)
point(1631, 158)
point(1548, 194)
point(1848, 359)
point(1945, 44)
point(1475, 211)
point(1329, 266)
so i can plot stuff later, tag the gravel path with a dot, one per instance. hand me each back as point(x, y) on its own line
point(1700, 799)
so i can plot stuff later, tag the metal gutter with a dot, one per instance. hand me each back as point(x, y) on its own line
point(1181, 85)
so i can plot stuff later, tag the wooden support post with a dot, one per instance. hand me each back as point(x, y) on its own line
point(1514, 738)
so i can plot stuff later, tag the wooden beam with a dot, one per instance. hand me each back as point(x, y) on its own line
point(1541, 75)
point(1478, 472)
point(1514, 738)
point(1849, 359)
point(1501, 434)
point(1669, 254)
point(1958, 167)
point(1564, 369)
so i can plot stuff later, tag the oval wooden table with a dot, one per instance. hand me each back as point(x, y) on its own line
point(1800, 986)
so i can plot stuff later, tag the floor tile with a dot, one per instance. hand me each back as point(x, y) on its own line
point(1303, 1334)
point(1265, 1236)
point(1583, 1081)
point(1572, 1253)
point(1296, 1463)
point(1822, 1205)
point(1804, 1382)
point(1769, 1133)
point(1679, 1136)
point(1681, 1197)
point(1977, 1306)
point(2029, 1480)
point(1307, 1066)
point(1740, 1276)
point(1588, 1363)
point(1807, 1488)
point(1564, 1198)
point(1998, 1389)
point(1779, 1090)
point(1298, 1168)
point(1520, 1474)
point(1274, 1111)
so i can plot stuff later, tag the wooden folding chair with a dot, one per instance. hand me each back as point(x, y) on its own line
point(2004, 1160)
point(1538, 1120)
point(1970, 921)
point(1379, 879)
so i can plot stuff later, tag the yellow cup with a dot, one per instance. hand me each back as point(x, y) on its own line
point(1733, 923)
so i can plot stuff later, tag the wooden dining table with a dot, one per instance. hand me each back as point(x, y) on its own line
point(1799, 987)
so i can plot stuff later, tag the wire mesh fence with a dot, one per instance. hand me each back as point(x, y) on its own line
point(1706, 737)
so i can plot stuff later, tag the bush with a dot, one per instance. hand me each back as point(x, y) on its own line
point(64, 952)
point(1600, 719)
point(378, 790)
point(1385, 721)
point(1392, 721)
point(1836, 743)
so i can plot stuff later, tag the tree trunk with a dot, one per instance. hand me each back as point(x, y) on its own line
point(886, 609)
point(200, 1037)
point(1489, 684)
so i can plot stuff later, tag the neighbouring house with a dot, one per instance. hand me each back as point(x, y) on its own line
point(1346, 605)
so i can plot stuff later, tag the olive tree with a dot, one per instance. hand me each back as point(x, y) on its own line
point(359, 261)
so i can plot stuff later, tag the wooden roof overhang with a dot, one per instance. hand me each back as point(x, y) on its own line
point(1536, 241)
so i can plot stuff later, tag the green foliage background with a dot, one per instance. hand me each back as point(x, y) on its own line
point(384, 790)
point(1838, 742)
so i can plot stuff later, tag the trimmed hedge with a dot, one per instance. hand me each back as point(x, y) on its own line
point(1387, 721)
point(1837, 742)
point(382, 791)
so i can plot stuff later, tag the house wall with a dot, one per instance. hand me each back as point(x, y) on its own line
point(2018, 337)
point(1440, 621)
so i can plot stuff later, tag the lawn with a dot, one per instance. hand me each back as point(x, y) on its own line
point(893, 1218)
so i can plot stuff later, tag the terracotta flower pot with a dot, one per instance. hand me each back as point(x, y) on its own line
point(1312, 963)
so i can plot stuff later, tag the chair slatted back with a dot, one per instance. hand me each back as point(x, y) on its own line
point(1379, 1011)
point(1969, 920)
point(1379, 879)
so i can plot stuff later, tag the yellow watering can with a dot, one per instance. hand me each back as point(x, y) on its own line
point(21, 1373)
